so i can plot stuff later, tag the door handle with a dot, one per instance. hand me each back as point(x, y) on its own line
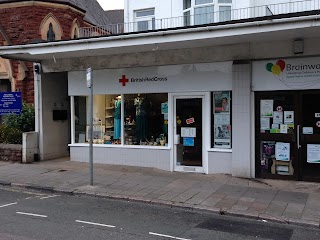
point(298, 137)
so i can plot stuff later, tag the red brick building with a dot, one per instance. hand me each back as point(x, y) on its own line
point(23, 22)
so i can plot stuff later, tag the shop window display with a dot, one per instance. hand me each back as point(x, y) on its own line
point(221, 120)
point(146, 119)
point(106, 119)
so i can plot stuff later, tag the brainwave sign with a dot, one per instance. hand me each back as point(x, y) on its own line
point(10, 103)
point(280, 74)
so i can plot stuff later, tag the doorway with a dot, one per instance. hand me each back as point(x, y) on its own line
point(288, 135)
point(188, 133)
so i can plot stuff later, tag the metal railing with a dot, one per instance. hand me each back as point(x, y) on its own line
point(201, 19)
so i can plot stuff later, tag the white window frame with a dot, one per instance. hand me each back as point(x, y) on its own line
point(216, 6)
point(149, 18)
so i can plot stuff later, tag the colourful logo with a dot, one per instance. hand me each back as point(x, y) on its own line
point(277, 68)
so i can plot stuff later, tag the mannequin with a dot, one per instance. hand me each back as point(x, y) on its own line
point(139, 103)
point(117, 118)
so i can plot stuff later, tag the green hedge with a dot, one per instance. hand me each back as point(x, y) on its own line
point(10, 135)
point(14, 125)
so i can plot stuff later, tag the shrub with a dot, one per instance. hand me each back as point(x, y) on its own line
point(24, 122)
point(10, 135)
point(15, 125)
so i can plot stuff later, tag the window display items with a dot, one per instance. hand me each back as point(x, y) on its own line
point(141, 118)
point(282, 151)
point(313, 153)
point(266, 108)
point(117, 119)
point(222, 102)
point(267, 155)
point(222, 136)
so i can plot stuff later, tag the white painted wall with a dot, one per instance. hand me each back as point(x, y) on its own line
point(174, 8)
point(155, 158)
point(54, 135)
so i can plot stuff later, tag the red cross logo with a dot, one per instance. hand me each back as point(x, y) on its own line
point(123, 80)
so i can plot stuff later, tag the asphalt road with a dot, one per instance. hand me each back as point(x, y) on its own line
point(26, 215)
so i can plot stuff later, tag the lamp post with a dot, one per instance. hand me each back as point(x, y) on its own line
point(90, 86)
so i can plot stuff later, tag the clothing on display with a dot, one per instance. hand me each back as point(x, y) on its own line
point(117, 119)
point(141, 118)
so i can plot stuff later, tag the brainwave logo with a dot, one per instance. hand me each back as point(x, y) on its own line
point(277, 68)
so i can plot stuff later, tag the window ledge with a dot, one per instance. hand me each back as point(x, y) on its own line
point(120, 146)
point(220, 150)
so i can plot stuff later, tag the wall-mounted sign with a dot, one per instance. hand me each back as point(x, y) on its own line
point(284, 74)
point(10, 103)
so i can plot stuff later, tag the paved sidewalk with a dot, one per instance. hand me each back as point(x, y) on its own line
point(273, 200)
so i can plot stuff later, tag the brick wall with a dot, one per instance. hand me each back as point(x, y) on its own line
point(21, 25)
point(10, 152)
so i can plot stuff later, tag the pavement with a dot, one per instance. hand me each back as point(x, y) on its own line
point(289, 202)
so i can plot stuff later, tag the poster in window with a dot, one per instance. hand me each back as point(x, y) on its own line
point(222, 102)
point(313, 153)
point(222, 136)
point(266, 108)
point(288, 116)
point(282, 151)
point(222, 119)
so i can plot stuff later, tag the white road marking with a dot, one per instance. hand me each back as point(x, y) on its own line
point(51, 196)
point(9, 204)
point(32, 214)
point(167, 236)
point(97, 224)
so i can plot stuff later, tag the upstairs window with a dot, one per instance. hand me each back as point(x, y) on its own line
point(145, 20)
point(197, 12)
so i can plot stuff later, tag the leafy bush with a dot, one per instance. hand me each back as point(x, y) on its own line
point(10, 135)
point(15, 125)
point(24, 122)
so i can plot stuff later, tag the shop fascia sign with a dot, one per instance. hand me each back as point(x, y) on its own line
point(125, 79)
point(295, 72)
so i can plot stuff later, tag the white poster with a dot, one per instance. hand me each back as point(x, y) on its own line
point(264, 123)
point(284, 128)
point(282, 151)
point(188, 132)
point(313, 153)
point(288, 116)
point(222, 119)
point(222, 136)
point(266, 108)
point(277, 117)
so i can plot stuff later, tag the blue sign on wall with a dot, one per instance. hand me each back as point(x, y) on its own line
point(10, 103)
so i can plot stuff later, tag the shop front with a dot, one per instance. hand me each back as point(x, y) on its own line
point(175, 117)
point(287, 118)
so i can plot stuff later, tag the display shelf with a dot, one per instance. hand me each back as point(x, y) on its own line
point(109, 116)
point(108, 127)
point(109, 108)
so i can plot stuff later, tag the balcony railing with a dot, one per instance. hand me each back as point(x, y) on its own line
point(201, 19)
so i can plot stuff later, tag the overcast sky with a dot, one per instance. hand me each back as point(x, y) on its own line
point(111, 4)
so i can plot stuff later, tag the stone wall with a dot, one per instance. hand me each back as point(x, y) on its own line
point(10, 152)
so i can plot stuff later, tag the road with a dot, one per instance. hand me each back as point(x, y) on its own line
point(26, 215)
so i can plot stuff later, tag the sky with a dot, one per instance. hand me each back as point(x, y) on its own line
point(111, 4)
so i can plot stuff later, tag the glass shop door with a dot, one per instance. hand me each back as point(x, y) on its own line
point(309, 142)
point(188, 134)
